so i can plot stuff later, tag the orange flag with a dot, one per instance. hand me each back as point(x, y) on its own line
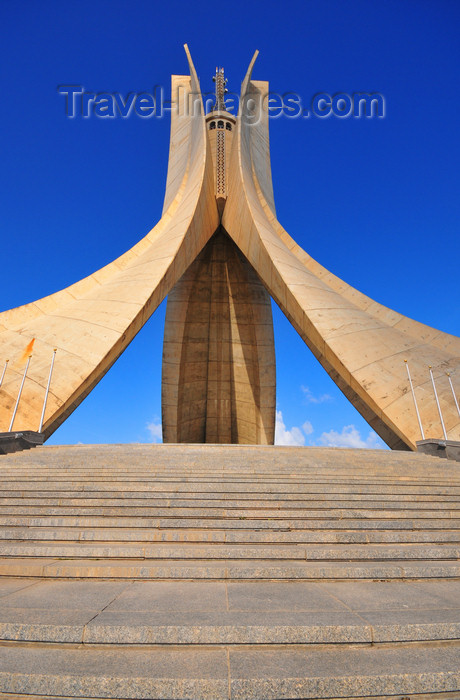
point(27, 352)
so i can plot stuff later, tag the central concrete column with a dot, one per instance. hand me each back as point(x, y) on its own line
point(219, 379)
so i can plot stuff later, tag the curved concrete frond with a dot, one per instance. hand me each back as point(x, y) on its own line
point(360, 343)
point(92, 322)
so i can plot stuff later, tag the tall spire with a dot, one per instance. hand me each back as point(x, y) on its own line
point(220, 82)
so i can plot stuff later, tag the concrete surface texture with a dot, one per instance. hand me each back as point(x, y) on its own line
point(200, 571)
point(219, 178)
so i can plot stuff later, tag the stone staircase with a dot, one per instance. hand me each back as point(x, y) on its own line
point(191, 571)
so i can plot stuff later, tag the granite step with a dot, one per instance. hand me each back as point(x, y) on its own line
point(373, 475)
point(250, 504)
point(159, 551)
point(223, 569)
point(202, 612)
point(127, 534)
point(153, 628)
point(229, 524)
point(261, 459)
point(271, 464)
point(228, 672)
point(122, 497)
point(230, 514)
point(224, 461)
point(376, 474)
point(236, 490)
point(413, 696)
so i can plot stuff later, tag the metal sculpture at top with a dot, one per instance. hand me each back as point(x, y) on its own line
point(219, 252)
point(221, 82)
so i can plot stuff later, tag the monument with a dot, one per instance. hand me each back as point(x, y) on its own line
point(219, 253)
point(241, 571)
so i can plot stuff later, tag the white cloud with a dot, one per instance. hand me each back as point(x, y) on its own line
point(310, 398)
point(350, 437)
point(307, 428)
point(155, 430)
point(283, 436)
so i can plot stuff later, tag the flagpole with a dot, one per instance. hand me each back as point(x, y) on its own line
point(19, 394)
point(3, 373)
point(415, 401)
point(437, 402)
point(47, 391)
point(453, 392)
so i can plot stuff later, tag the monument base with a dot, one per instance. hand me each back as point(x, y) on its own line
point(230, 572)
point(449, 449)
point(20, 440)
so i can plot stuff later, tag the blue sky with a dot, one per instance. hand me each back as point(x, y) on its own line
point(376, 201)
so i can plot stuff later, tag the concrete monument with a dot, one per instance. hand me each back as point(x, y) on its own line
point(219, 252)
